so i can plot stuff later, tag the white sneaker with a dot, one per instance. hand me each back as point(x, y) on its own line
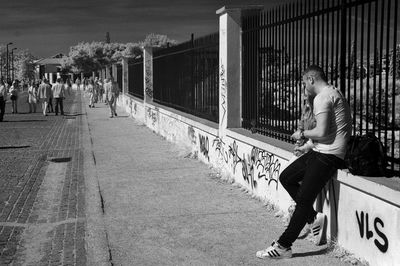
point(275, 252)
point(318, 229)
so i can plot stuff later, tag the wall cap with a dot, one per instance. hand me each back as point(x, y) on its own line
point(226, 9)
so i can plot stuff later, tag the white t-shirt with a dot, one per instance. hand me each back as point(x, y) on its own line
point(331, 100)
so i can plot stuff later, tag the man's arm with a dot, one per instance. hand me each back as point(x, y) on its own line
point(320, 131)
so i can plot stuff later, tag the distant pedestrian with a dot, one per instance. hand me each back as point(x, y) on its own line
point(59, 94)
point(104, 90)
point(33, 96)
point(84, 84)
point(97, 89)
point(50, 108)
point(68, 87)
point(92, 93)
point(78, 83)
point(3, 98)
point(112, 91)
point(100, 89)
point(44, 95)
point(323, 155)
point(14, 91)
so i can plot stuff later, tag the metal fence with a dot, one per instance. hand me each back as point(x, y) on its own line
point(354, 41)
point(135, 77)
point(185, 77)
point(119, 76)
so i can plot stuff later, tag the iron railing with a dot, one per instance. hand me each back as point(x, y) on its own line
point(119, 76)
point(135, 77)
point(185, 77)
point(354, 41)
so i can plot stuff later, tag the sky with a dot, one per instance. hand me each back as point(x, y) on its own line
point(48, 27)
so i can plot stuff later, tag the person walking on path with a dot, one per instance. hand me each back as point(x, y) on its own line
point(68, 86)
point(111, 91)
point(32, 96)
point(59, 94)
point(50, 108)
point(92, 93)
point(100, 90)
point(14, 97)
point(323, 155)
point(3, 98)
point(104, 90)
point(44, 95)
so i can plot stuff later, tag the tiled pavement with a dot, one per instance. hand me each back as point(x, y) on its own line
point(42, 187)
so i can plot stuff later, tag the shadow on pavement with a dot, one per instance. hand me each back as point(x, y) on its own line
point(74, 114)
point(25, 120)
point(14, 147)
point(312, 253)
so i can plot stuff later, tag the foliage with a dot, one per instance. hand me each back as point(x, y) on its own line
point(88, 57)
point(24, 65)
point(158, 40)
point(395, 71)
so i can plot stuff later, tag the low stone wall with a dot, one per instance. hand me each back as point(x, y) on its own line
point(363, 217)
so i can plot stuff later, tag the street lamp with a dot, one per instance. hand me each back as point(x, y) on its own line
point(7, 63)
point(12, 62)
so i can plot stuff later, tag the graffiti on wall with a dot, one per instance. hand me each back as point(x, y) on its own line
point(223, 92)
point(152, 115)
point(204, 146)
point(192, 135)
point(256, 166)
point(368, 228)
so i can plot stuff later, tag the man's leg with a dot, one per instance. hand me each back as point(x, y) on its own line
point(44, 106)
point(61, 102)
point(2, 109)
point(115, 106)
point(111, 105)
point(318, 172)
point(57, 103)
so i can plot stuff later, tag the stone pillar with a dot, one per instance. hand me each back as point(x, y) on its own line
point(125, 76)
point(148, 74)
point(114, 71)
point(230, 65)
point(108, 74)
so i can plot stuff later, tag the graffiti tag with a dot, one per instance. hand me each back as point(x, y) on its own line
point(364, 227)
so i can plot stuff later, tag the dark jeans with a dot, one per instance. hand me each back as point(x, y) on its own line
point(2, 108)
point(59, 102)
point(313, 170)
point(50, 105)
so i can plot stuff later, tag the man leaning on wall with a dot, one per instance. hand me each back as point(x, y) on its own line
point(322, 155)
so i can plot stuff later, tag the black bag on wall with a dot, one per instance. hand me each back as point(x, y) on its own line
point(366, 156)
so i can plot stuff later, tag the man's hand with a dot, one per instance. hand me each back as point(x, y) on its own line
point(296, 135)
point(300, 150)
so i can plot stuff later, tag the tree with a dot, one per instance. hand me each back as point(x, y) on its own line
point(24, 65)
point(158, 40)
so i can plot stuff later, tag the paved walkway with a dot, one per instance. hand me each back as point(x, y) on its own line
point(42, 204)
point(161, 208)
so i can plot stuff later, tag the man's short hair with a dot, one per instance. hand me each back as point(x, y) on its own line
point(316, 72)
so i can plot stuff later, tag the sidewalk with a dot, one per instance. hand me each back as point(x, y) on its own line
point(161, 208)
